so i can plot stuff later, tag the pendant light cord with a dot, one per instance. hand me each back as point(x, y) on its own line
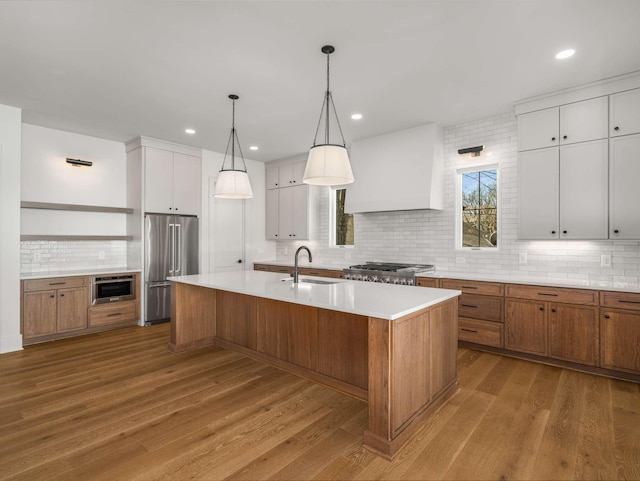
point(328, 99)
point(233, 138)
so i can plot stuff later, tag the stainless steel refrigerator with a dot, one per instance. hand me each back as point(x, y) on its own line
point(171, 249)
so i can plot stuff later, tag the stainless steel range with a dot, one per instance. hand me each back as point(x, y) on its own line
point(386, 272)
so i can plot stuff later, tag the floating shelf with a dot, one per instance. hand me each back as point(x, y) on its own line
point(75, 207)
point(76, 237)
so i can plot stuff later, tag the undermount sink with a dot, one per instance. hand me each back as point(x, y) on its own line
point(310, 281)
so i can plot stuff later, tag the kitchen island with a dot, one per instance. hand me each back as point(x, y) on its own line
point(394, 347)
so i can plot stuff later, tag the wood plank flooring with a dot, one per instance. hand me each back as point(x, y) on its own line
point(118, 406)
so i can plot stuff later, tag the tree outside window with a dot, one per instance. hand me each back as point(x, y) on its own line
point(480, 208)
point(343, 222)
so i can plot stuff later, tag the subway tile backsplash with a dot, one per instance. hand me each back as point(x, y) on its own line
point(44, 257)
point(429, 236)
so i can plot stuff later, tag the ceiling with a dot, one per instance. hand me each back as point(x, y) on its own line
point(118, 69)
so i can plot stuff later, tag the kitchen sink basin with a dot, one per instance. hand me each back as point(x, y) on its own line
point(310, 281)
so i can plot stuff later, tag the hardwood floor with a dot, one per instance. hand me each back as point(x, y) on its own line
point(118, 406)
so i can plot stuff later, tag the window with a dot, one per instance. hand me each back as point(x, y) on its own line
point(479, 209)
point(342, 224)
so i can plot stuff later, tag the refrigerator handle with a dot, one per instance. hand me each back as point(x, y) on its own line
point(172, 235)
point(178, 248)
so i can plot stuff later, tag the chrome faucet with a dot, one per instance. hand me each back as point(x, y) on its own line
point(295, 262)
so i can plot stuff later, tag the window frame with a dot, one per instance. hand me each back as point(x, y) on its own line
point(458, 207)
point(333, 218)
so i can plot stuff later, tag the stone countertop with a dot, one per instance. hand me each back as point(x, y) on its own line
point(384, 301)
point(79, 272)
point(536, 281)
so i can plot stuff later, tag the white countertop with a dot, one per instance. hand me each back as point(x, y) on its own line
point(385, 301)
point(80, 272)
point(537, 281)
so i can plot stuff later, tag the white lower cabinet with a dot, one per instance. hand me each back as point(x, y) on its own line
point(624, 172)
point(287, 213)
point(563, 192)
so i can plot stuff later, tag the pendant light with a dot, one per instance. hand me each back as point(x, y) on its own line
point(328, 164)
point(233, 183)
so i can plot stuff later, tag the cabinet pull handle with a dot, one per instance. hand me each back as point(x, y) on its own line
point(467, 330)
point(61, 295)
point(52, 296)
point(616, 128)
point(545, 294)
point(628, 302)
point(564, 137)
point(57, 283)
point(616, 231)
point(114, 314)
point(606, 316)
point(553, 139)
point(541, 308)
point(564, 231)
point(553, 309)
point(468, 305)
point(553, 232)
point(469, 287)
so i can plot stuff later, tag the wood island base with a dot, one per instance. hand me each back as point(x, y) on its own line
point(405, 369)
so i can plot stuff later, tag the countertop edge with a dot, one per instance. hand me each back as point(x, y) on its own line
point(78, 273)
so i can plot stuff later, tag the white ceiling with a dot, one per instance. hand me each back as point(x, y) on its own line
point(118, 69)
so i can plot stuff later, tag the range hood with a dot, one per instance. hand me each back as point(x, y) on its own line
point(398, 171)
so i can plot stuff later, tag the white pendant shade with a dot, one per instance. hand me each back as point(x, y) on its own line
point(233, 184)
point(328, 165)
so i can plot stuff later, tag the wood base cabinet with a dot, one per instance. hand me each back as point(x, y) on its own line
point(620, 331)
point(573, 333)
point(526, 326)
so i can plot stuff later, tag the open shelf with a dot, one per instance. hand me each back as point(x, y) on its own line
point(75, 207)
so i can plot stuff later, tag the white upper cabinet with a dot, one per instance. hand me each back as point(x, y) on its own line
point(584, 121)
point(539, 194)
point(538, 130)
point(285, 175)
point(567, 124)
point(172, 182)
point(624, 113)
point(584, 190)
point(624, 172)
point(271, 220)
point(271, 175)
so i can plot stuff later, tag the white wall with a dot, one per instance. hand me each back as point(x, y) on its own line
point(47, 177)
point(257, 247)
point(10, 145)
point(429, 236)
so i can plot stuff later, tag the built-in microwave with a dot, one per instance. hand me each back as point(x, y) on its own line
point(113, 289)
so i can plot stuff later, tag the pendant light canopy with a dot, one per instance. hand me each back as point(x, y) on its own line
point(233, 183)
point(328, 164)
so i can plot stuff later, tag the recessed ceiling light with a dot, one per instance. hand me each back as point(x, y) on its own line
point(356, 116)
point(189, 131)
point(565, 54)
point(253, 147)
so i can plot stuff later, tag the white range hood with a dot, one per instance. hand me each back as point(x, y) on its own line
point(397, 171)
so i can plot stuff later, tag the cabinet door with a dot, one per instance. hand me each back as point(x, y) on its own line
point(186, 184)
point(272, 214)
point(271, 175)
point(158, 181)
point(624, 194)
point(620, 340)
point(285, 213)
point(539, 129)
point(39, 313)
point(297, 172)
point(300, 214)
point(586, 120)
point(72, 309)
point(584, 191)
point(624, 113)
point(526, 326)
point(539, 194)
point(573, 333)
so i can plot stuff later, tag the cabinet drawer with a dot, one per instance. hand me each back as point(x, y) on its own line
point(53, 283)
point(426, 282)
point(309, 271)
point(620, 300)
point(474, 287)
point(115, 313)
point(480, 332)
point(553, 294)
point(488, 308)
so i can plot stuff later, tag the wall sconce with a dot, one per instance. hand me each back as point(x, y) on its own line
point(79, 163)
point(474, 151)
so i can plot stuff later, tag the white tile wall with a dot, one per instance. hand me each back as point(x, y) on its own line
point(429, 236)
point(44, 257)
